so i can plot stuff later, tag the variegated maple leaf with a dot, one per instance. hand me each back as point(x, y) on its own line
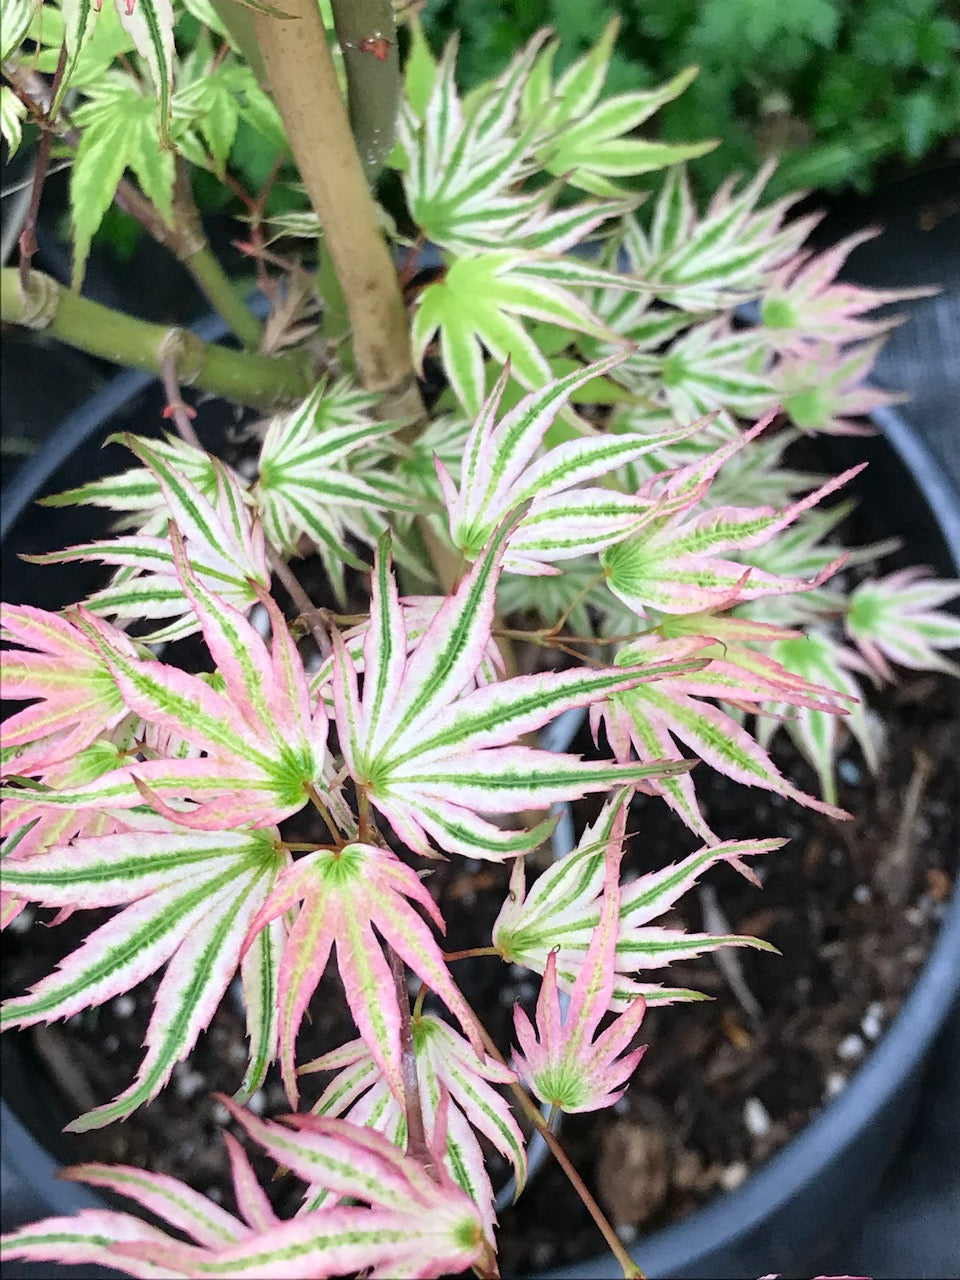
point(676, 564)
point(464, 162)
point(589, 142)
point(897, 619)
point(446, 1063)
point(390, 1219)
point(817, 657)
point(502, 473)
point(462, 168)
point(136, 494)
point(418, 614)
point(430, 760)
point(711, 367)
point(27, 830)
point(714, 261)
point(803, 303)
point(74, 697)
point(650, 716)
point(561, 909)
point(565, 1066)
point(226, 551)
point(824, 388)
point(319, 477)
point(189, 898)
point(264, 737)
point(347, 892)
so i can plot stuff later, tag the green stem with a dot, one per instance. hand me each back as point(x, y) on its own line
point(324, 812)
point(189, 243)
point(217, 287)
point(263, 382)
point(184, 237)
point(367, 33)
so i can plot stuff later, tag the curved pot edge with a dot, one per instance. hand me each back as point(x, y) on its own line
point(887, 1071)
point(31, 1185)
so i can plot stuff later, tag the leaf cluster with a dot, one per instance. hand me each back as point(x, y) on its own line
point(600, 518)
point(835, 90)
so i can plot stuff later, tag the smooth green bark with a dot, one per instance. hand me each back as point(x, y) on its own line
point(367, 34)
point(263, 382)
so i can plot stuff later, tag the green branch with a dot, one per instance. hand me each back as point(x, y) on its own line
point(263, 382)
point(367, 34)
point(186, 240)
point(219, 290)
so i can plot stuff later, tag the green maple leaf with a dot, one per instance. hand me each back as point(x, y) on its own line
point(119, 132)
point(481, 303)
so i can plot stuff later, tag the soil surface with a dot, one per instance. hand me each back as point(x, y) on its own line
point(852, 907)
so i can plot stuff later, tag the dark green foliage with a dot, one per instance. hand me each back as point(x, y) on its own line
point(833, 86)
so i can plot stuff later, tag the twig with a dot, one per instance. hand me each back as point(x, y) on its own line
point(176, 409)
point(417, 1145)
point(28, 236)
point(893, 871)
point(301, 600)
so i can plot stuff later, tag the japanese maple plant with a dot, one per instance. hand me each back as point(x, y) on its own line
point(594, 512)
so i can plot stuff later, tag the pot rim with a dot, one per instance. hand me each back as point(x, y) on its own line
point(885, 1071)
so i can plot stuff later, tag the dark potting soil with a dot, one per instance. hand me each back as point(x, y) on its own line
point(724, 1083)
point(852, 907)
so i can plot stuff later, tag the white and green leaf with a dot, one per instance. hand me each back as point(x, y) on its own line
point(192, 898)
point(560, 911)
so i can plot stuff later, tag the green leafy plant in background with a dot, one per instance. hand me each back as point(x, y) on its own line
point(834, 89)
point(595, 514)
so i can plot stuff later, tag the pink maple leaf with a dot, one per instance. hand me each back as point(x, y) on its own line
point(563, 1063)
point(346, 893)
point(391, 1218)
point(804, 303)
point(77, 698)
point(446, 1063)
point(263, 737)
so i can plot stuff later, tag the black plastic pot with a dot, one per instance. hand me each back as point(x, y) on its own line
point(791, 1215)
point(793, 1211)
